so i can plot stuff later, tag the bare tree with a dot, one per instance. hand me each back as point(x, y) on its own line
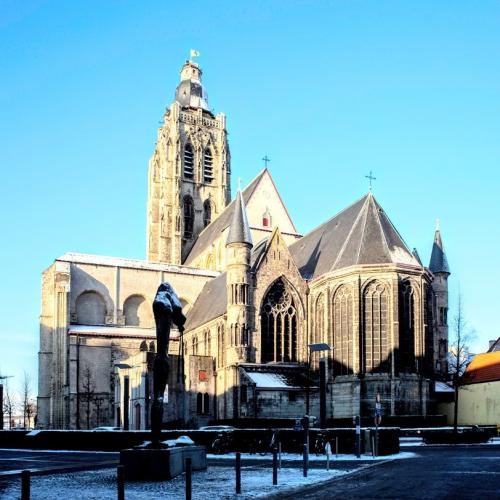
point(28, 405)
point(9, 403)
point(87, 392)
point(459, 355)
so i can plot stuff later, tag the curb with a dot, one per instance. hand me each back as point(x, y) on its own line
point(59, 470)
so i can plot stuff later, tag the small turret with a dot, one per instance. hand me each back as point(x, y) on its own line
point(438, 263)
point(440, 269)
point(238, 247)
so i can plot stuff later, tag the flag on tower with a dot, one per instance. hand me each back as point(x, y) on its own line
point(194, 53)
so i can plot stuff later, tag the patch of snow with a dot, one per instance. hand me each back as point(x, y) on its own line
point(215, 482)
point(102, 260)
point(268, 380)
point(293, 457)
point(402, 256)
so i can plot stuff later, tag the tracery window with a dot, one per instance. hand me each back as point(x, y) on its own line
point(406, 327)
point(375, 333)
point(278, 317)
point(207, 213)
point(342, 331)
point(188, 161)
point(188, 217)
point(208, 168)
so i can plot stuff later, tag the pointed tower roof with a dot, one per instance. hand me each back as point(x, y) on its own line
point(360, 234)
point(239, 232)
point(438, 263)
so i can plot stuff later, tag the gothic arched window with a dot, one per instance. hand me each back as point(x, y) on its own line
point(208, 167)
point(342, 331)
point(406, 327)
point(278, 319)
point(188, 217)
point(188, 161)
point(374, 352)
point(207, 213)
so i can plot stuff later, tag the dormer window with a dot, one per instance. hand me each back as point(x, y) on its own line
point(188, 162)
point(208, 168)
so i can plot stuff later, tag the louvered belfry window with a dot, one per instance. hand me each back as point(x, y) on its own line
point(188, 162)
point(278, 318)
point(188, 217)
point(208, 167)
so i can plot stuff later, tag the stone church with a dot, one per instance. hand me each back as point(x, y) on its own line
point(257, 296)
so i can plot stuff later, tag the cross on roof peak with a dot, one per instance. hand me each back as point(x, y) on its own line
point(371, 178)
point(266, 160)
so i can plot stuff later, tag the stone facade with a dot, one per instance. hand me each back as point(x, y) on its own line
point(256, 294)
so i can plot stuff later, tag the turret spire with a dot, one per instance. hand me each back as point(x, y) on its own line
point(438, 262)
point(239, 231)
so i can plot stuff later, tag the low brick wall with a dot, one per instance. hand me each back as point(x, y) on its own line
point(243, 440)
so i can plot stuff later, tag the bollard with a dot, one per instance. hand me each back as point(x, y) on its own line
point(120, 482)
point(279, 455)
point(357, 421)
point(328, 450)
point(238, 473)
point(305, 464)
point(336, 447)
point(373, 446)
point(275, 467)
point(189, 478)
point(25, 484)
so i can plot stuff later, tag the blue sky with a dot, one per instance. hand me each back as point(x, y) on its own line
point(329, 90)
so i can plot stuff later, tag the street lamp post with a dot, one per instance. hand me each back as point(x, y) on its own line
point(319, 347)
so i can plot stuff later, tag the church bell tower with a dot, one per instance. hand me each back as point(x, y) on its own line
point(189, 172)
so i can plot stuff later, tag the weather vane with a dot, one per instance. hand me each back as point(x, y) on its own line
point(371, 178)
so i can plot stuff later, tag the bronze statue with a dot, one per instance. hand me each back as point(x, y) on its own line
point(167, 308)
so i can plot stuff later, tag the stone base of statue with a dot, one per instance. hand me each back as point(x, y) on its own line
point(160, 464)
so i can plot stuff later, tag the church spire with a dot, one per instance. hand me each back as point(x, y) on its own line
point(239, 231)
point(438, 262)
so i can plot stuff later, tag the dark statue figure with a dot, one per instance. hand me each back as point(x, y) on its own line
point(167, 308)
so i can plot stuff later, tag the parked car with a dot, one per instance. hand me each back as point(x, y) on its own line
point(217, 428)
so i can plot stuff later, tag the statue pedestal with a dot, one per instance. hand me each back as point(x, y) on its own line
point(160, 464)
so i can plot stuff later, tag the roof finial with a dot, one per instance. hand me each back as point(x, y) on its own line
point(438, 225)
point(266, 160)
point(371, 179)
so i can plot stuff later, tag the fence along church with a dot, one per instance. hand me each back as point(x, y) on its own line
point(256, 294)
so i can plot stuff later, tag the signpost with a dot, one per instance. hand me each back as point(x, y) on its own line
point(378, 419)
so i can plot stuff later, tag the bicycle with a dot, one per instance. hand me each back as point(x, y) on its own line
point(221, 444)
point(319, 445)
point(273, 444)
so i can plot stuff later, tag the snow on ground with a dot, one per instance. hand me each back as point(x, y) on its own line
point(215, 482)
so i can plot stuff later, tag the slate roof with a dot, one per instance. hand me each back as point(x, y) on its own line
point(438, 263)
point(212, 301)
point(360, 234)
point(214, 230)
point(210, 304)
point(483, 368)
point(239, 232)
